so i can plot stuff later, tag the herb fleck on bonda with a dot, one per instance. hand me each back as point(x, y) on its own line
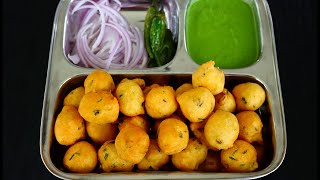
point(232, 158)
point(77, 153)
point(96, 112)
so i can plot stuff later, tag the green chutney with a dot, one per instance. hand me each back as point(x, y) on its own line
point(225, 31)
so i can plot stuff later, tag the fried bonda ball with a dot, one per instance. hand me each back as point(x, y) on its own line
point(209, 77)
point(74, 97)
point(198, 130)
point(158, 121)
point(140, 82)
point(173, 136)
point(132, 143)
point(261, 153)
point(161, 102)
point(183, 88)
point(250, 126)
point(241, 157)
point(98, 80)
point(100, 133)
point(222, 129)
point(69, 126)
point(154, 159)
point(99, 107)
point(196, 104)
point(130, 97)
point(212, 162)
point(249, 96)
point(225, 101)
point(146, 89)
point(80, 158)
point(140, 121)
point(110, 160)
point(191, 157)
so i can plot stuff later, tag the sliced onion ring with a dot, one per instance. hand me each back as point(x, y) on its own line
point(105, 39)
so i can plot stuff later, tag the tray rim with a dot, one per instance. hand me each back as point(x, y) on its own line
point(54, 79)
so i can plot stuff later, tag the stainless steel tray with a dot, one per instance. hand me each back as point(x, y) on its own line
point(62, 74)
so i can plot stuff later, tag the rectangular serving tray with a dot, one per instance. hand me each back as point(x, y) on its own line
point(62, 74)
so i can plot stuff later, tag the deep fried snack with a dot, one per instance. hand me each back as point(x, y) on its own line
point(242, 157)
point(146, 89)
point(225, 101)
point(110, 160)
point(158, 121)
point(191, 157)
point(99, 107)
point(80, 158)
point(74, 97)
point(173, 136)
point(249, 96)
point(261, 153)
point(221, 130)
point(132, 143)
point(209, 77)
point(130, 97)
point(161, 102)
point(69, 126)
point(100, 133)
point(183, 88)
point(140, 82)
point(98, 80)
point(154, 159)
point(198, 130)
point(212, 162)
point(250, 126)
point(140, 121)
point(196, 104)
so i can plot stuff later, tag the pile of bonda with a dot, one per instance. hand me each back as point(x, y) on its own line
point(200, 125)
